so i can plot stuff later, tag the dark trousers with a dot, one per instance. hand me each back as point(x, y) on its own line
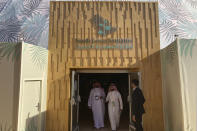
point(138, 123)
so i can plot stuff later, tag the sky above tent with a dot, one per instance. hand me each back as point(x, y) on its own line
point(28, 20)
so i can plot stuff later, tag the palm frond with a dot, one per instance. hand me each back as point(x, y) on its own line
point(167, 31)
point(7, 13)
point(0, 59)
point(44, 38)
point(3, 4)
point(10, 27)
point(33, 28)
point(192, 3)
point(176, 10)
point(10, 50)
point(187, 30)
point(5, 127)
point(39, 56)
point(30, 6)
point(186, 47)
point(163, 15)
point(43, 8)
point(171, 52)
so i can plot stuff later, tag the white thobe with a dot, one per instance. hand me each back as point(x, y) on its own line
point(114, 107)
point(98, 106)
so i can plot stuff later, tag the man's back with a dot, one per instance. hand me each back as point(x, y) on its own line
point(138, 101)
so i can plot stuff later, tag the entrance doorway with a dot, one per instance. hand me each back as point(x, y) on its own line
point(83, 84)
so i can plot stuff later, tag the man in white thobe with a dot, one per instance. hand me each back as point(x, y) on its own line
point(115, 106)
point(96, 102)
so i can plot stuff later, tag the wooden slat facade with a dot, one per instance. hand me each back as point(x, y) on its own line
point(137, 21)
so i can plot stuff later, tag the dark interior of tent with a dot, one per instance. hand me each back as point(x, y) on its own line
point(85, 85)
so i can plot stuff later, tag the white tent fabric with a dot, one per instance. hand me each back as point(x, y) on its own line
point(173, 116)
point(188, 72)
point(179, 68)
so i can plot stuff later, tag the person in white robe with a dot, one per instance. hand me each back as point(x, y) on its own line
point(96, 102)
point(115, 106)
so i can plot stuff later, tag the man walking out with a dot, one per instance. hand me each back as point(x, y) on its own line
point(137, 105)
point(96, 102)
point(115, 106)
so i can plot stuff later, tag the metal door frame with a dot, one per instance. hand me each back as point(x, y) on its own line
point(73, 73)
point(102, 71)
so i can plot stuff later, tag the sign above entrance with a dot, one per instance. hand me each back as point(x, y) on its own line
point(109, 46)
point(103, 28)
point(104, 41)
point(104, 44)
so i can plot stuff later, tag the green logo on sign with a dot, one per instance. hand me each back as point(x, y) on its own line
point(103, 26)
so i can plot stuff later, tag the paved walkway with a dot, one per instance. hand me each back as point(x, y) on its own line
point(87, 125)
point(86, 121)
point(103, 129)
